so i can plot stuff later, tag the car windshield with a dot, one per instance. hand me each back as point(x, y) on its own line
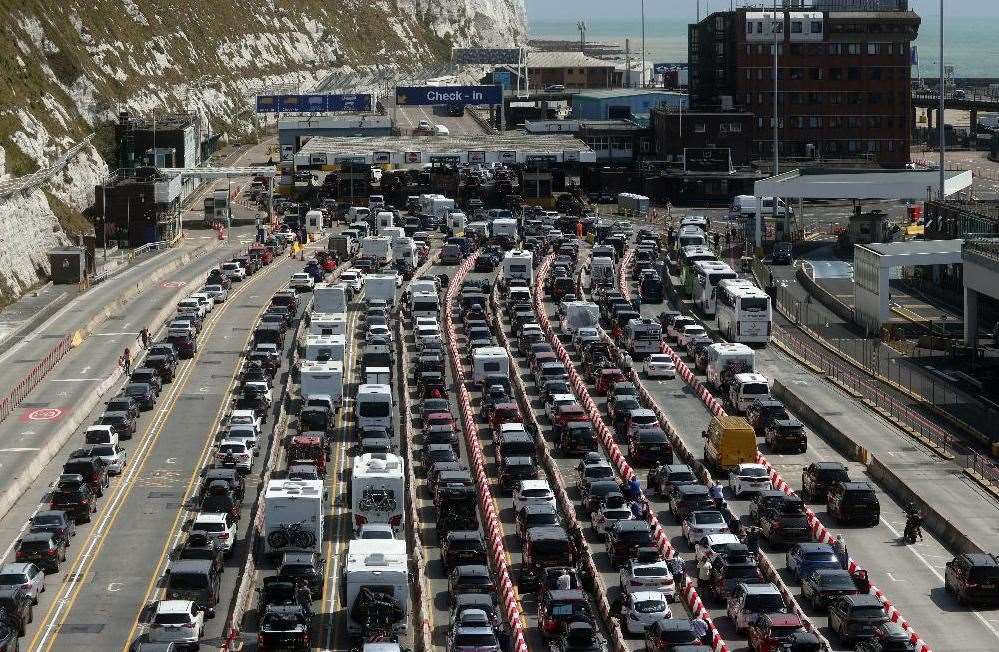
point(707, 518)
point(650, 606)
point(535, 493)
point(650, 571)
point(7, 579)
point(187, 580)
point(374, 409)
point(867, 613)
point(34, 545)
point(836, 581)
point(599, 472)
point(766, 603)
point(281, 623)
point(171, 619)
point(232, 448)
point(681, 476)
point(753, 472)
point(104, 451)
point(538, 520)
point(42, 521)
point(211, 526)
point(834, 475)
point(637, 538)
point(475, 640)
point(740, 572)
point(475, 580)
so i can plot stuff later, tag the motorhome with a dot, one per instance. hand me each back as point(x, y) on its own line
point(504, 228)
point(377, 247)
point(374, 405)
point(322, 379)
point(642, 336)
point(580, 314)
point(383, 566)
point(324, 348)
point(293, 516)
point(490, 361)
point(378, 491)
point(380, 286)
point(726, 359)
point(383, 220)
point(404, 251)
point(456, 222)
point(601, 272)
point(518, 264)
point(424, 304)
point(632, 204)
point(324, 323)
point(329, 298)
point(314, 223)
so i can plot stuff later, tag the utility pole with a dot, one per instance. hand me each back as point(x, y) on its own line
point(581, 26)
point(940, 118)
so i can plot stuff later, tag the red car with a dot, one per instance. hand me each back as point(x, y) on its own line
point(438, 419)
point(566, 414)
point(607, 379)
point(505, 413)
point(769, 632)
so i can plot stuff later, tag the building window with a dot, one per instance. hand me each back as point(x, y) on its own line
point(853, 73)
point(815, 74)
point(836, 74)
point(749, 99)
point(735, 127)
point(834, 49)
point(749, 73)
point(874, 98)
point(816, 27)
point(760, 99)
point(720, 48)
point(759, 123)
point(814, 99)
point(700, 128)
point(759, 27)
point(796, 27)
point(875, 73)
point(873, 48)
point(797, 49)
point(749, 49)
point(853, 48)
point(815, 122)
point(797, 73)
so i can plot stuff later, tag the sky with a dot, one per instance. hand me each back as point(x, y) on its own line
point(687, 9)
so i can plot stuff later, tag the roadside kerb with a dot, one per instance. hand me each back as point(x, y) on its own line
point(565, 504)
point(494, 529)
point(821, 533)
point(22, 388)
point(690, 594)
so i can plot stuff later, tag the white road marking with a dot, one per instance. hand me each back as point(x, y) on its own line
point(939, 577)
point(75, 380)
point(18, 450)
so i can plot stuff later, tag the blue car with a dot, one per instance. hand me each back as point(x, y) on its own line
point(803, 558)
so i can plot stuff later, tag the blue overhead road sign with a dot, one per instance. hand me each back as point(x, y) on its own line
point(430, 95)
point(313, 103)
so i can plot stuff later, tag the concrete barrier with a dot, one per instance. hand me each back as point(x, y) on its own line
point(843, 443)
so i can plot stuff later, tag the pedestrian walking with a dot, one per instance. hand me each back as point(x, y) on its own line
point(144, 336)
point(704, 570)
point(126, 361)
point(839, 548)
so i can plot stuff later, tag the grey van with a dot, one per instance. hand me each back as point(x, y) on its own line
point(194, 579)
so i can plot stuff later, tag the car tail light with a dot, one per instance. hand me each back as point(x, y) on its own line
point(550, 625)
point(85, 502)
point(51, 552)
point(396, 520)
point(188, 625)
point(635, 583)
point(224, 536)
point(360, 520)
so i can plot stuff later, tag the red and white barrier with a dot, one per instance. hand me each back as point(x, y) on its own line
point(606, 437)
point(487, 506)
point(821, 532)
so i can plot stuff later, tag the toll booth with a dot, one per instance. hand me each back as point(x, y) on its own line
point(537, 181)
point(69, 265)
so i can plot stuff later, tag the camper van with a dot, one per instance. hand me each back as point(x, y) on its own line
point(490, 361)
point(380, 286)
point(745, 206)
point(322, 379)
point(374, 407)
point(325, 348)
point(580, 314)
point(330, 298)
point(518, 264)
point(293, 516)
point(382, 565)
point(456, 222)
point(383, 220)
point(378, 247)
point(601, 272)
point(378, 491)
point(725, 360)
point(324, 323)
point(314, 223)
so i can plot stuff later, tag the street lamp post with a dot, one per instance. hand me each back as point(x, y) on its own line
point(643, 43)
point(940, 119)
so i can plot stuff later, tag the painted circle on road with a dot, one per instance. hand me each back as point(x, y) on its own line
point(43, 414)
point(173, 284)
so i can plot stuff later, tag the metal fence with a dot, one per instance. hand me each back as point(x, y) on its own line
point(984, 467)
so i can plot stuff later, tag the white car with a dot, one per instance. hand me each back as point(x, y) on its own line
point(113, 455)
point(689, 331)
point(245, 434)
point(234, 271)
point(220, 528)
point(376, 531)
point(191, 304)
point(555, 401)
point(239, 449)
point(379, 330)
point(749, 478)
point(176, 621)
point(441, 130)
point(532, 492)
point(27, 576)
point(648, 576)
point(660, 365)
point(218, 293)
point(302, 282)
point(712, 544)
point(205, 300)
point(246, 418)
point(642, 608)
point(185, 326)
point(426, 321)
point(605, 517)
point(352, 279)
point(701, 523)
point(585, 331)
point(673, 330)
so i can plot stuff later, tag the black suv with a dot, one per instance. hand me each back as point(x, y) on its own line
point(856, 616)
point(853, 502)
point(94, 471)
point(687, 498)
point(77, 502)
point(463, 547)
point(515, 469)
point(817, 477)
point(16, 604)
point(764, 411)
point(121, 422)
point(45, 549)
point(787, 524)
point(973, 578)
point(624, 538)
point(307, 565)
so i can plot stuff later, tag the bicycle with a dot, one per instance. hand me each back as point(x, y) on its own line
point(294, 534)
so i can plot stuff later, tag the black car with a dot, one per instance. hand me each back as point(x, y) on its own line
point(78, 502)
point(93, 470)
point(143, 393)
point(285, 628)
point(123, 403)
point(298, 565)
point(973, 578)
point(786, 435)
point(149, 376)
point(684, 499)
point(165, 349)
point(853, 502)
point(781, 254)
point(648, 446)
point(200, 546)
point(823, 585)
point(121, 422)
point(577, 437)
point(786, 524)
point(470, 578)
point(53, 520)
point(277, 591)
point(624, 538)
point(45, 549)
point(817, 477)
point(516, 468)
point(463, 547)
point(856, 616)
point(9, 634)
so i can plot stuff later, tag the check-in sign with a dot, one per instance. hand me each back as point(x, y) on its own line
point(434, 95)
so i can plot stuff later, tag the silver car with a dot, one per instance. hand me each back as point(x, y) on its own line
point(26, 576)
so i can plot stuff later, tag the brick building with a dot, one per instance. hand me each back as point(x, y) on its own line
point(570, 69)
point(844, 77)
point(702, 129)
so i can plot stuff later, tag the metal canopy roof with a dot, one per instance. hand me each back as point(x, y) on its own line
point(861, 184)
point(218, 173)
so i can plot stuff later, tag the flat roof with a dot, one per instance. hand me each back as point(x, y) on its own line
point(916, 247)
point(861, 184)
point(508, 147)
point(565, 60)
point(604, 93)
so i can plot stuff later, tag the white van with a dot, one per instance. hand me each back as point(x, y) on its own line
point(724, 356)
point(745, 206)
point(490, 361)
point(329, 298)
point(424, 304)
point(374, 406)
point(293, 516)
point(518, 264)
point(314, 222)
point(322, 379)
point(441, 130)
point(746, 388)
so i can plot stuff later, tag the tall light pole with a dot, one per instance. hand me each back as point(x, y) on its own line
point(643, 43)
point(776, 101)
point(940, 118)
